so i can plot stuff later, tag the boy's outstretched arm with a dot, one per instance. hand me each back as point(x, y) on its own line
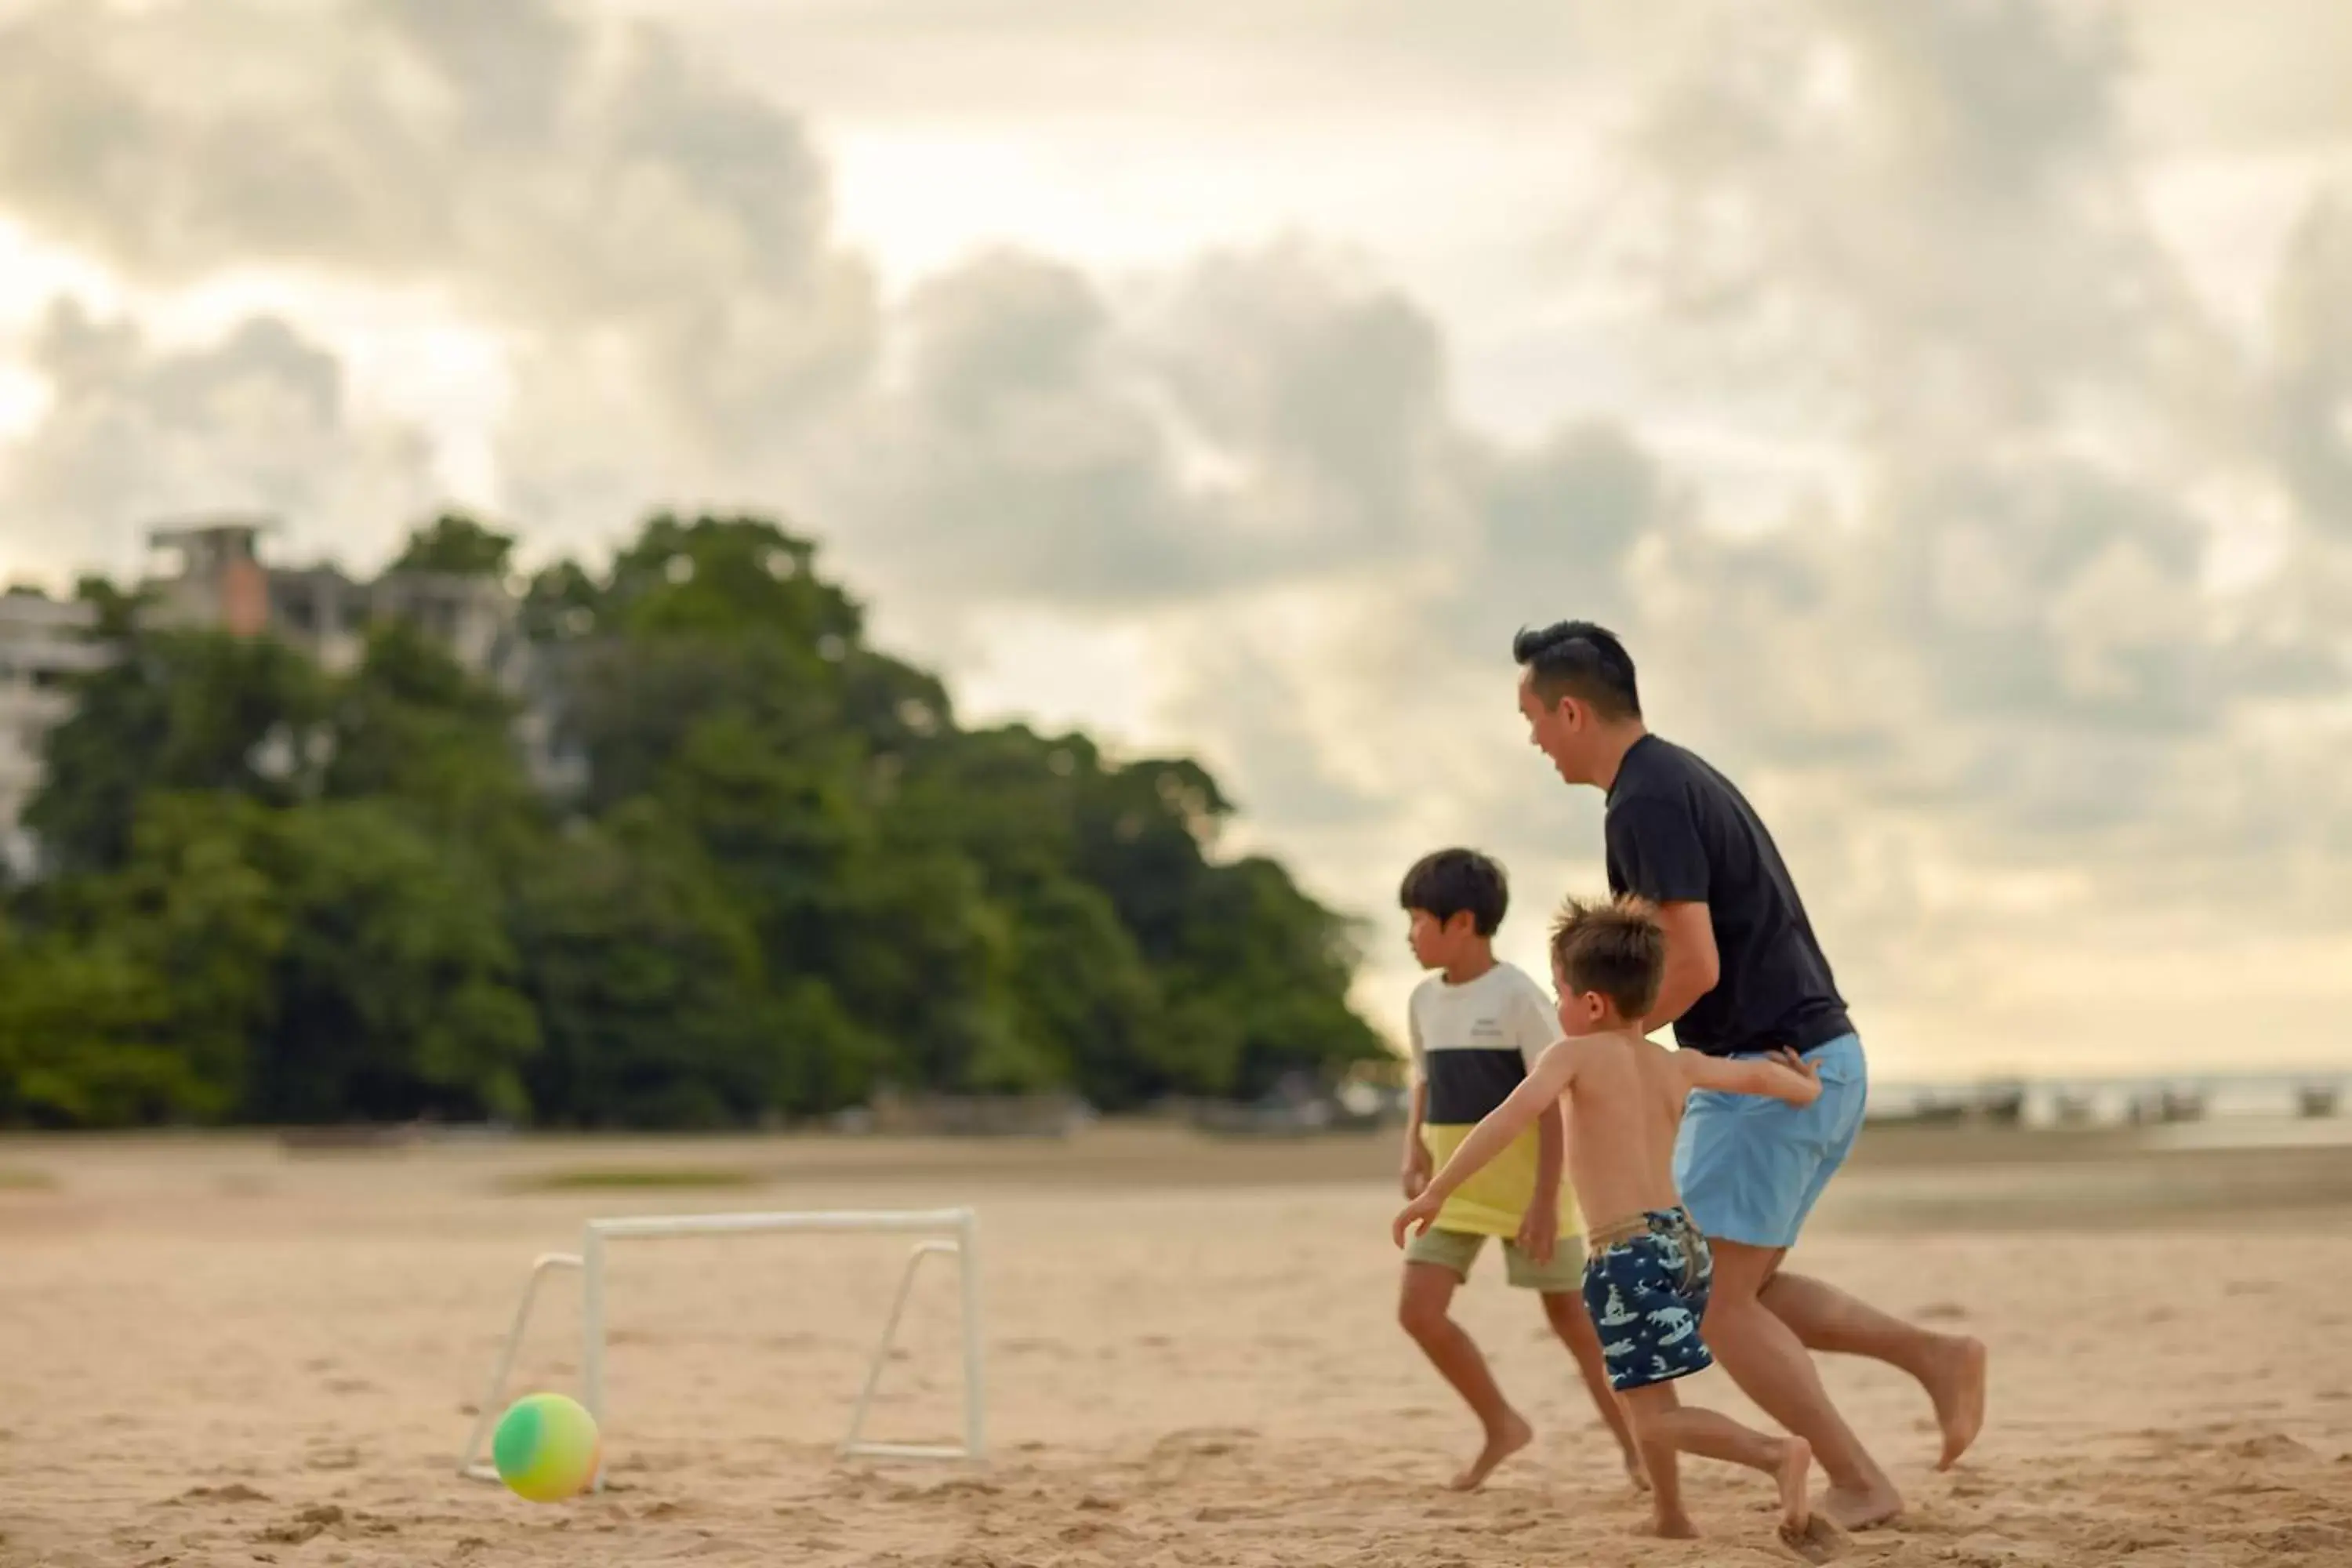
point(1783, 1076)
point(1538, 1093)
point(1540, 1226)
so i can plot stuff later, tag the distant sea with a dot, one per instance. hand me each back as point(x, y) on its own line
point(2320, 1100)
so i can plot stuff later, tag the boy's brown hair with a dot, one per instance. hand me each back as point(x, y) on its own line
point(1616, 949)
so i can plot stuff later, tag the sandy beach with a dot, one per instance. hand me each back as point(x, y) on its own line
point(217, 1352)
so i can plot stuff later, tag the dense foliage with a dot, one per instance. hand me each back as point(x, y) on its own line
point(779, 878)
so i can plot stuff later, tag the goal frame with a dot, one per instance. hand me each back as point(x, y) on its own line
point(940, 1232)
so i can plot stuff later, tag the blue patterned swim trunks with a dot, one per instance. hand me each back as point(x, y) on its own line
point(1645, 1284)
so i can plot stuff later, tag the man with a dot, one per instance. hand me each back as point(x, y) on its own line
point(1744, 977)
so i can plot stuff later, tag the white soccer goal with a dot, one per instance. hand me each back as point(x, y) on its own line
point(944, 1232)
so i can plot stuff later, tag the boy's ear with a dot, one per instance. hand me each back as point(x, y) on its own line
point(1459, 921)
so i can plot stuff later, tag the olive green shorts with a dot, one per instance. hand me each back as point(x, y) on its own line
point(1458, 1249)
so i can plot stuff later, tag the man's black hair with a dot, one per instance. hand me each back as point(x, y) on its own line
point(1579, 659)
point(1450, 881)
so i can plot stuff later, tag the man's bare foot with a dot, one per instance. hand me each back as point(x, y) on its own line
point(1795, 1475)
point(1864, 1507)
point(1509, 1438)
point(1674, 1526)
point(1958, 1387)
point(1819, 1542)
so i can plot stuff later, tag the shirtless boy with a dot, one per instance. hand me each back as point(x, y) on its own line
point(1648, 1269)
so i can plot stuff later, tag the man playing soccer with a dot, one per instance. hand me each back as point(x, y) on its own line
point(1744, 978)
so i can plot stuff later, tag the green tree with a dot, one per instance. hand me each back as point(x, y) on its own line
point(139, 999)
point(174, 711)
point(459, 545)
point(1085, 1009)
point(723, 677)
point(791, 879)
point(80, 1045)
point(1263, 971)
point(396, 987)
point(649, 985)
point(410, 725)
point(1092, 1006)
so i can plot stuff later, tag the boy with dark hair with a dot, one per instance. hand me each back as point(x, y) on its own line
point(1647, 1274)
point(1475, 1026)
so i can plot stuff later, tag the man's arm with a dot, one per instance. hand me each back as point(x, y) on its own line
point(1656, 851)
point(1783, 1076)
point(1538, 1095)
point(1692, 965)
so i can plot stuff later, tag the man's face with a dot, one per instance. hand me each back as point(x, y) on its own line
point(1558, 729)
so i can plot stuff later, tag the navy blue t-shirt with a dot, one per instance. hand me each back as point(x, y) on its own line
point(1678, 831)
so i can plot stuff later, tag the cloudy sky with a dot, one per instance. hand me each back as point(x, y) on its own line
point(1952, 405)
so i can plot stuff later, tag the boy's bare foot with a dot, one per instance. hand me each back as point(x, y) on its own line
point(1958, 1388)
point(1504, 1441)
point(1819, 1542)
point(1795, 1475)
point(1864, 1507)
point(1674, 1526)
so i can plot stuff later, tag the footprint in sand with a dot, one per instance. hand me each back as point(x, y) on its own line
point(1052, 1350)
point(1819, 1542)
point(2300, 1539)
point(308, 1525)
point(236, 1493)
point(1203, 1442)
point(2269, 1449)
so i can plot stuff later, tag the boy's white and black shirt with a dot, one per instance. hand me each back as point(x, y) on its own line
point(1472, 1046)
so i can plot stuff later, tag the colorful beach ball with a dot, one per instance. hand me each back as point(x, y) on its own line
point(546, 1447)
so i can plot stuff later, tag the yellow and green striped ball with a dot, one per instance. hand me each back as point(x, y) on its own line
point(546, 1447)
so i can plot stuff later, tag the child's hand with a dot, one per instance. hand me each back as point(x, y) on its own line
point(1417, 1169)
point(1540, 1229)
point(1800, 1079)
point(1416, 1216)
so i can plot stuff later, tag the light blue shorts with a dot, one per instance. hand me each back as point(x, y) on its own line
point(1751, 1169)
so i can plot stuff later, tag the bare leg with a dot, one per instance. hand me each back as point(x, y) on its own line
point(1421, 1308)
point(1769, 1362)
point(1644, 1408)
point(1667, 1427)
point(1950, 1368)
point(1574, 1326)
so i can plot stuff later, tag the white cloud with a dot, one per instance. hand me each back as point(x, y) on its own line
point(257, 422)
point(1872, 393)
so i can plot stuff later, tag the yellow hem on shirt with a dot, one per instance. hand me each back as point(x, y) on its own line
point(1494, 1201)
